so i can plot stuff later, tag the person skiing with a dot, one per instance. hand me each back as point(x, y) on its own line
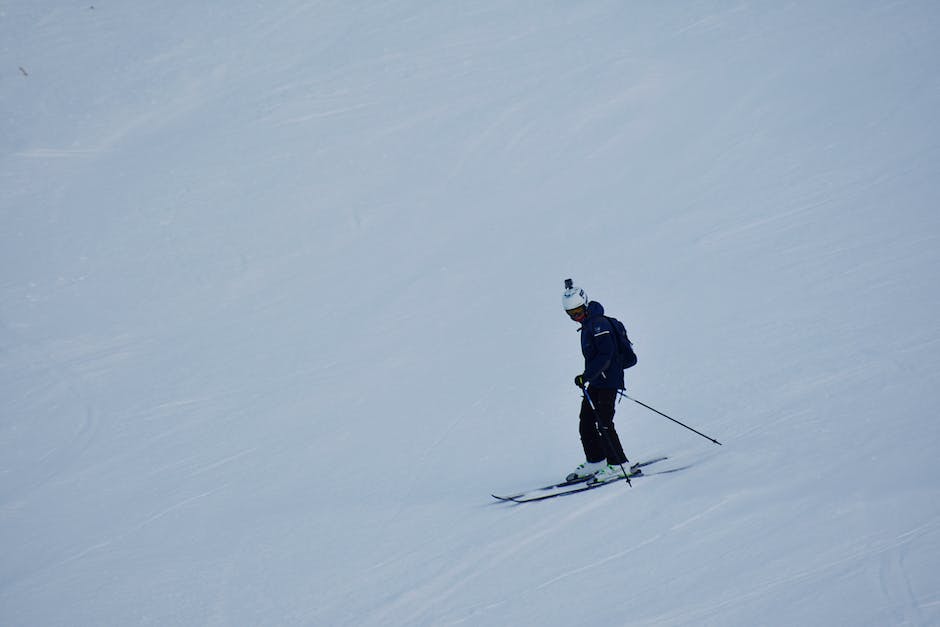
point(603, 377)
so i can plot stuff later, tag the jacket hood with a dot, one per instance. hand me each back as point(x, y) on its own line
point(594, 309)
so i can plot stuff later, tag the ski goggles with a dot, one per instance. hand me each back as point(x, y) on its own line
point(577, 313)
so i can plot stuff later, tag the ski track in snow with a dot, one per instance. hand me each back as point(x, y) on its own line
point(831, 567)
point(134, 529)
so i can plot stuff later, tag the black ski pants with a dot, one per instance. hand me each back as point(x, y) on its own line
point(598, 436)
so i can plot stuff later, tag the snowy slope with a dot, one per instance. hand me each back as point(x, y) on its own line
point(280, 307)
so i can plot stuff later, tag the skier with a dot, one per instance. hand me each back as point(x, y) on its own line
point(601, 379)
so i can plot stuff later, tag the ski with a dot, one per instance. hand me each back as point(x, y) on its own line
point(563, 484)
point(571, 487)
point(584, 487)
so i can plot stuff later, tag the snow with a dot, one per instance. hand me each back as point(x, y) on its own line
point(279, 309)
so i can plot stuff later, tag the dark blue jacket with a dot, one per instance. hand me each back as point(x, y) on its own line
point(602, 367)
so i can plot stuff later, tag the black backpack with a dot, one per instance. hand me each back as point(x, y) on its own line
point(624, 345)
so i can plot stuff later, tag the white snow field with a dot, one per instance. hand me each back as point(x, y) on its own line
point(280, 307)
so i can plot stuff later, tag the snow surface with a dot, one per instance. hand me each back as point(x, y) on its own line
point(280, 306)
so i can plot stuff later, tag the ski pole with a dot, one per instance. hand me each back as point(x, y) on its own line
point(670, 418)
point(605, 433)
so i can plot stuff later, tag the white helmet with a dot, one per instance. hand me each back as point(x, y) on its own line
point(573, 297)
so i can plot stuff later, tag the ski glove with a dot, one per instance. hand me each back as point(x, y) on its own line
point(579, 381)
